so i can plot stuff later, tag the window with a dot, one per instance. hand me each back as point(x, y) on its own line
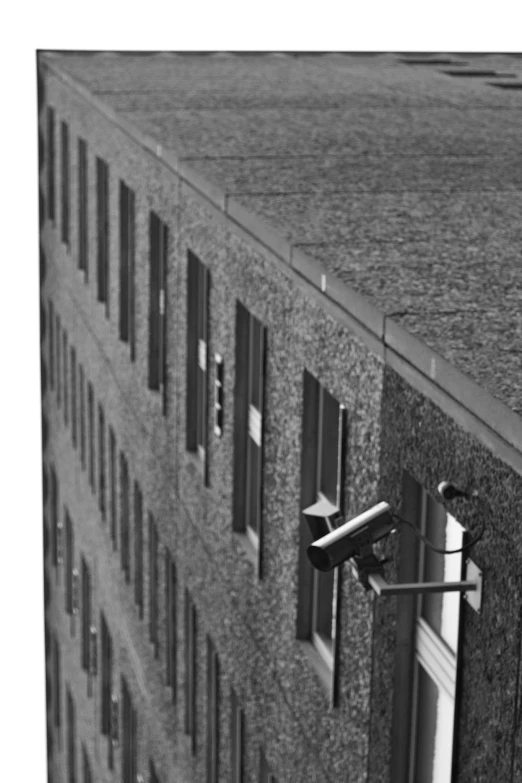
point(51, 344)
point(57, 718)
point(71, 738)
point(58, 363)
point(86, 616)
point(65, 184)
point(82, 417)
point(212, 712)
point(74, 421)
point(83, 210)
point(54, 514)
point(101, 461)
point(248, 432)
point(153, 778)
point(102, 213)
point(127, 293)
point(112, 461)
point(65, 381)
point(265, 776)
point(197, 362)
point(153, 584)
point(124, 516)
point(428, 630)
point(171, 622)
point(69, 564)
point(190, 669)
point(158, 235)
point(236, 738)
point(50, 164)
point(323, 436)
point(138, 548)
point(90, 403)
point(129, 721)
point(87, 774)
point(106, 682)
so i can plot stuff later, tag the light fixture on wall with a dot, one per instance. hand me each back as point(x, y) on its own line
point(335, 541)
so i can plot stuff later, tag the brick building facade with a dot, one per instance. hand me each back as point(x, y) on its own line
point(248, 303)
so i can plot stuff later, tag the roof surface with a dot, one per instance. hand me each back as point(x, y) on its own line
point(404, 181)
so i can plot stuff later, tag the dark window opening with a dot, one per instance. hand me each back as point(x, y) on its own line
point(102, 210)
point(83, 208)
point(124, 517)
point(158, 235)
point(50, 165)
point(127, 282)
point(153, 585)
point(65, 183)
point(138, 548)
point(197, 360)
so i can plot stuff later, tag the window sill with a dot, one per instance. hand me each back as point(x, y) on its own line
point(319, 665)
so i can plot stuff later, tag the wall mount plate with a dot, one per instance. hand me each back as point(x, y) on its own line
point(474, 597)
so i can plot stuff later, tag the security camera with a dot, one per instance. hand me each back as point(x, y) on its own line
point(449, 491)
point(334, 543)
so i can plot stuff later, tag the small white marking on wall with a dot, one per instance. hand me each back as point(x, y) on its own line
point(202, 354)
point(254, 424)
point(433, 368)
point(323, 282)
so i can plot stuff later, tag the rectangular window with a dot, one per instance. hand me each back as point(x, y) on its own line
point(65, 184)
point(197, 362)
point(83, 211)
point(190, 669)
point(112, 468)
point(101, 462)
point(71, 737)
point(102, 214)
point(54, 513)
point(322, 471)
point(65, 381)
point(90, 405)
point(87, 774)
point(212, 713)
point(82, 417)
point(153, 777)
point(124, 516)
point(138, 548)
point(127, 292)
point(50, 164)
point(248, 431)
point(69, 563)
point(428, 632)
point(106, 676)
point(153, 584)
point(57, 676)
point(158, 234)
point(74, 414)
point(171, 622)
point(236, 738)
point(86, 616)
point(129, 755)
point(265, 776)
point(51, 345)
point(58, 362)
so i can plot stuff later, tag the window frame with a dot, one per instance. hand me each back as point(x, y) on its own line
point(51, 165)
point(101, 463)
point(190, 669)
point(212, 751)
point(103, 235)
point(126, 323)
point(125, 517)
point(71, 737)
point(86, 616)
point(92, 456)
point(198, 305)
point(74, 405)
point(171, 636)
point(138, 548)
point(83, 208)
point(65, 168)
point(157, 354)
point(237, 738)
point(153, 584)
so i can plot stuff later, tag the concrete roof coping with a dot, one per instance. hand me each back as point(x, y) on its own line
point(438, 374)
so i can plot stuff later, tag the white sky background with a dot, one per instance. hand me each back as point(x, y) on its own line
point(273, 24)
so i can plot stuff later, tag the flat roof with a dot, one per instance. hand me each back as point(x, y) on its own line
point(396, 178)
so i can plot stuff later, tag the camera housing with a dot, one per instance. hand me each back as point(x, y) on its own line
point(334, 543)
point(449, 491)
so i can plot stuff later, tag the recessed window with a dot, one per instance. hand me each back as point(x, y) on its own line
point(198, 281)
point(124, 517)
point(171, 622)
point(153, 585)
point(50, 164)
point(106, 682)
point(127, 283)
point(65, 380)
point(86, 616)
point(69, 564)
point(138, 548)
point(74, 413)
point(90, 408)
point(101, 462)
point(82, 417)
point(212, 712)
point(102, 214)
point(248, 429)
point(113, 481)
point(71, 738)
point(190, 669)
point(87, 774)
point(83, 209)
point(58, 362)
point(323, 436)
point(65, 174)
point(57, 676)
point(129, 744)
point(51, 344)
point(158, 237)
point(55, 514)
point(236, 738)
point(428, 632)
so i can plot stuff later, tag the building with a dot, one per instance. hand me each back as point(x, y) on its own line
point(266, 279)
